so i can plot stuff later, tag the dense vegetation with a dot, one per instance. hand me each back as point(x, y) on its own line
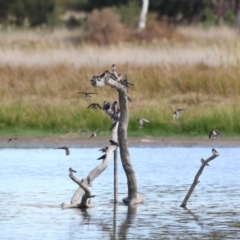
point(46, 100)
point(38, 12)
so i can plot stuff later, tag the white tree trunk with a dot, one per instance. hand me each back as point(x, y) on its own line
point(143, 15)
point(83, 185)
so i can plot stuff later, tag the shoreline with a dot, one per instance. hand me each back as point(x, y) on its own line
point(99, 142)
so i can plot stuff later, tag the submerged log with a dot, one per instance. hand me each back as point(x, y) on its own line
point(195, 181)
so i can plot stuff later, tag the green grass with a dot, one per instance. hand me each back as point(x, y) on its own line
point(45, 101)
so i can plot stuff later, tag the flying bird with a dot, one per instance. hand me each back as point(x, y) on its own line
point(177, 113)
point(203, 161)
point(214, 134)
point(87, 94)
point(71, 170)
point(12, 139)
point(141, 121)
point(94, 106)
point(114, 143)
point(102, 157)
point(93, 135)
point(66, 150)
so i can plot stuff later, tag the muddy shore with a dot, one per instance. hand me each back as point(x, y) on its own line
point(51, 142)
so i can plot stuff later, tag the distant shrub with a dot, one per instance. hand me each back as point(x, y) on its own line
point(104, 27)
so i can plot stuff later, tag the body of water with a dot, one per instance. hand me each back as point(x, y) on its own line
point(34, 182)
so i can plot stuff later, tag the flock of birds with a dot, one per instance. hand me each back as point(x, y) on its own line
point(114, 112)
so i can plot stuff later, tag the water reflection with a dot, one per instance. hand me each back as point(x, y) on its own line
point(34, 182)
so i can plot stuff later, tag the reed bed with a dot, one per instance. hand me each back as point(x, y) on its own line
point(45, 100)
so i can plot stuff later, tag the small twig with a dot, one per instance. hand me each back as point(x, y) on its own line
point(195, 182)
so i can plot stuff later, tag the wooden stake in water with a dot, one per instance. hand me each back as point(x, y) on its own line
point(115, 170)
point(195, 181)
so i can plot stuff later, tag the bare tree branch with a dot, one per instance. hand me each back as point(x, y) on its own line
point(195, 182)
point(92, 175)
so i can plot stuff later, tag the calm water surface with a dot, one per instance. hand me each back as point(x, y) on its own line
point(34, 182)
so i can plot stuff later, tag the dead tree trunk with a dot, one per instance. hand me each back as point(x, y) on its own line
point(195, 182)
point(85, 183)
point(113, 81)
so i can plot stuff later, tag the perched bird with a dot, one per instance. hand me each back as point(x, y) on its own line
point(111, 110)
point(93, 135)
point(116, 115)
point(66, 150)
point(125, 83)
point(87, 94)
point(120, 76)
point(114, 73)
point(12, 139)
point(106, 105)
point(94, 106)
point(114, 143)
point(102, 157)
point(89, 181)
point(103, 149)
point(141, 121)
point(178, 113)
point(214, 152)
point(114, 107)
point(71, 170)
point(214, 133)
point(113, 125)
point(203, 161)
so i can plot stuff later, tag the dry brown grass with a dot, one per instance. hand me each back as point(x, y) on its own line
point(39, 84)
point(165, 47)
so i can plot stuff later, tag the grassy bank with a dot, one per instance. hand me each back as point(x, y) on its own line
point(45, 100)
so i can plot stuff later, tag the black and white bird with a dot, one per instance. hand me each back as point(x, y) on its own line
point(214, 134)
point(94, 106)
point(203, 161)
point(12, 139)
point(114, 143)
point(116, 115)
point(66, 150)
point(102, 157)
point(106, 105)
point(114, 73)
point(141, 121)
point(214, 152)
point(94, 134)
point(114, 107)
point(87, 94)
point(114, 124)
point(103, 149)
point(177, 113)
point(71, 170)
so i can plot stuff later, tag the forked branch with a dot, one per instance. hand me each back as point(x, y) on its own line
point(110, 79)
point(84, 184)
